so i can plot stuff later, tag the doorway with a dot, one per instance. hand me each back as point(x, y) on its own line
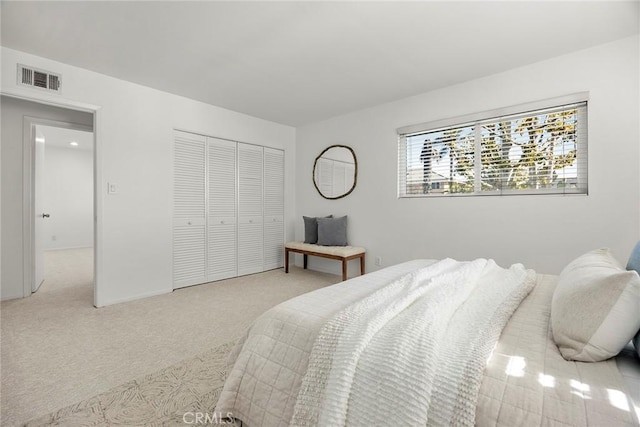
point(63, 205)
point(19, 116)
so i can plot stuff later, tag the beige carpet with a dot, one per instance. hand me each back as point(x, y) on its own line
point(57, 349)
point(67, 268)
point(174, 396)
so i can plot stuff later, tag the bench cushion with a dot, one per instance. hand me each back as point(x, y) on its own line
point(343, 251)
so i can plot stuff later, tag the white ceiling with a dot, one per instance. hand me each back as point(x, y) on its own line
point(298, 62)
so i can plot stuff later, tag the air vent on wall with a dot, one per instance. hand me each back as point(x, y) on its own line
point(29, 76)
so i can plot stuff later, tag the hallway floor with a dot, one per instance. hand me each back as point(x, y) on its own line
point(67, 268)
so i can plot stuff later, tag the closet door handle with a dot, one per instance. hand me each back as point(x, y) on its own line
point(44, 215)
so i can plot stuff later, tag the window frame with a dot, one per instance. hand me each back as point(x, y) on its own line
point(495, 115)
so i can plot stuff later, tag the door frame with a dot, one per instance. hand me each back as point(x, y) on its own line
point(28, 193)
point(98, 202)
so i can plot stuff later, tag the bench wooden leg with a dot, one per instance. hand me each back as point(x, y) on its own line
point(286, 260)
point(345, 260)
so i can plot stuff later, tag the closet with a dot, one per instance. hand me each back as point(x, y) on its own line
point(228, 209)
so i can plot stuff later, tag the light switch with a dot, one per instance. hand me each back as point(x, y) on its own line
point(112, 188)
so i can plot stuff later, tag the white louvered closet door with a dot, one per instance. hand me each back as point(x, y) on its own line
point(250, 213)
point(273, 208)
point(221, 251)
point(189, 207)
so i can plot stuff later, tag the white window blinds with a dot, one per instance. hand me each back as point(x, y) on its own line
point(542, 151)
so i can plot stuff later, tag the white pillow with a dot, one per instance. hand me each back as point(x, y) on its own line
point(595, 307)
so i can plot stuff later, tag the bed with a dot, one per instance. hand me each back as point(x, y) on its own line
point(323, 359)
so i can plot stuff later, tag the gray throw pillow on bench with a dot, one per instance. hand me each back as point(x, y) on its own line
point(332, 231)
point(311, 229)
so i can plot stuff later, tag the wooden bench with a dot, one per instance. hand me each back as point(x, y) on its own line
point(342, 253)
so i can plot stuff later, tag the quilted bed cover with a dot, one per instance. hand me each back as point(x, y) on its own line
point(526, 381)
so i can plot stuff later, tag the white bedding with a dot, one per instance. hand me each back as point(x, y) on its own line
point(525, 383)
point(528, 383)
point(389, 353)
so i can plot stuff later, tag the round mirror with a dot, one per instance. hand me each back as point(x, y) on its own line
point(335, 172)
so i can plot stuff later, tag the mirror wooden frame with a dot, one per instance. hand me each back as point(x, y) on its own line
point(355, 171)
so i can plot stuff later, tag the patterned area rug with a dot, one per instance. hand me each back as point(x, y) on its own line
point(173, 396)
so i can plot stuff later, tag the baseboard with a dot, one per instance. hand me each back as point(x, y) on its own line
point(10, 297)
point(65, 249)
point(133, 298)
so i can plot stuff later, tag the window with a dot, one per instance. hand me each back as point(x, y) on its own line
point(534, 151)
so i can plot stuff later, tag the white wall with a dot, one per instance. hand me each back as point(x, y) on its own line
point(68, 198)
point(542, 232)
point(134, 150)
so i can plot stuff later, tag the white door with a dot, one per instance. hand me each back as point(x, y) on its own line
point(273, 208)
point(222, 225)
point(250, 212)
point(189, 207)
point(40, 212)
